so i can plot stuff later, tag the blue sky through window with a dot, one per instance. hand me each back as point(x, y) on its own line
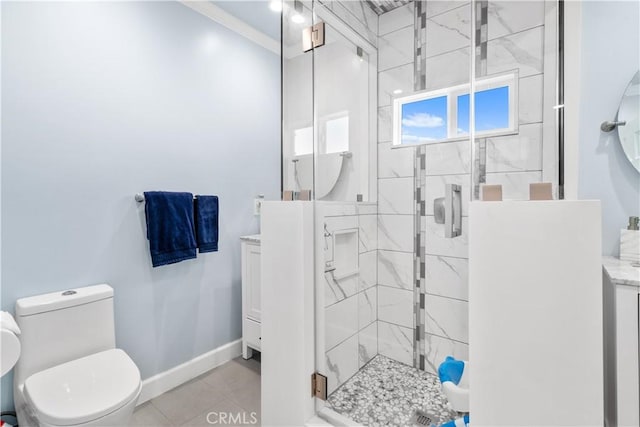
point(492, 110)
point(424, 121)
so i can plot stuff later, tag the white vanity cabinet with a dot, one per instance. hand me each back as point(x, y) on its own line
point(627, 355)
point(622, 282)
point(251, 291)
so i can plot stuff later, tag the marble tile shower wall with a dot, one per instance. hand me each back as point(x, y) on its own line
point(424, 46)
point(395, 190)
point(357, 15)
point(351, 309)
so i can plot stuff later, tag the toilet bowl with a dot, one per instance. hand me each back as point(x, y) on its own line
point(83, 392)
point(70, 373)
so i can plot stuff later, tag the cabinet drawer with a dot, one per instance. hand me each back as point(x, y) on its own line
point(252, 333)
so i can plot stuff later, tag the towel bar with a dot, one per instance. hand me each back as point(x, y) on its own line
point(140, 197)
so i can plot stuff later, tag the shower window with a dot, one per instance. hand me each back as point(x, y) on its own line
point(444, 115)
point(496, 107)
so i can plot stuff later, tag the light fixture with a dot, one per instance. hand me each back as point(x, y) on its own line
point(276, 5)
point(397, 91)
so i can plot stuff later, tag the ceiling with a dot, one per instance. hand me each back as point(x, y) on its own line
point(255, 13)
point(383, 6)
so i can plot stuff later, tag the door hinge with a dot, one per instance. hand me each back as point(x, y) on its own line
point(319, 386)
point(313, 37)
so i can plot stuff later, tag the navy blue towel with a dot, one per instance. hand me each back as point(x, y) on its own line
point(207, 223)
point(170, 226)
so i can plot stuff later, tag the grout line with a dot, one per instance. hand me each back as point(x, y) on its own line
point(395, 287)
point(396, 251)
point(391, 68)
point(514, 172)
point(446, 297)
point(446, 11)
point(396, 177)
point(381, 36)
point(411, 328)
point(519, 32)
point(349, 337)
point(446, 338)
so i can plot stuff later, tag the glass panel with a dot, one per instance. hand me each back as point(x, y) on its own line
point(337, 134)
point(297, 101)
point(492, 110)
point(303, 141)
point(424, 120)
point(523, 104)
point(463, 115)
point(341, 100)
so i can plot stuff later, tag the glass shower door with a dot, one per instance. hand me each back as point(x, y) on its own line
point(344, 103)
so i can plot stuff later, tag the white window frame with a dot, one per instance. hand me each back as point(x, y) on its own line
point(486, 83)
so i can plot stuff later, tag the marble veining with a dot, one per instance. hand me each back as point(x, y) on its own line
point(395, 269)
point(387, 393)
point(395, 342)
point(621, 272)
point(393, 162)
point(523, 51)
point(367, 344)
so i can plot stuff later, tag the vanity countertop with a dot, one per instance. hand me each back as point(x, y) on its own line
point(621, 272)
point(255, 238)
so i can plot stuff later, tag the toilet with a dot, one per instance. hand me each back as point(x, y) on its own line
point(69, 372)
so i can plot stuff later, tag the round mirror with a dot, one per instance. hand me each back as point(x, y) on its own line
point(629, 112)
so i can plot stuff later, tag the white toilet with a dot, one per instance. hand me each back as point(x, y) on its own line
point(70, 373)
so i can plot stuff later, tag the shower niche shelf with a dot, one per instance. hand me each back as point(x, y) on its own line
point(345, 252)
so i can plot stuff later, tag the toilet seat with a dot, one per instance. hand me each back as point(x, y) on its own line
point(84, 389)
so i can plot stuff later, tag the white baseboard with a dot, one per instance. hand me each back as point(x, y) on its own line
point(165, 381)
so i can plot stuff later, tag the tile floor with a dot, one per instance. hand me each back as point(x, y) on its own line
point(232, 388)
point(388, 393)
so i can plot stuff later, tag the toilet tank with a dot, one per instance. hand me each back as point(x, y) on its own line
point(63, 326)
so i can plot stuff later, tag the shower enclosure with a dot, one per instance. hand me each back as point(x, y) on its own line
point(381, 132)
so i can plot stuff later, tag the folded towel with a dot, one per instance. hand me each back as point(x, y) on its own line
point(207, 223)
point(170, 226)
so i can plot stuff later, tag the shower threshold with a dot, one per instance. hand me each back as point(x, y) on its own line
point(389, 393)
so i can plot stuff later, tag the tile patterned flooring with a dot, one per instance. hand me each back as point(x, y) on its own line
point(231, 388)
point(388, 393)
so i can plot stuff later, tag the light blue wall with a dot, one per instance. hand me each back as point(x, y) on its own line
point(104, 100)
point(610, 58)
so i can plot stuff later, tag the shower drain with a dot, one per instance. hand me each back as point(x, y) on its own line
point(422, 419)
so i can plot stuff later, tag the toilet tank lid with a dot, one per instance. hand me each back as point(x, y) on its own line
point(62, 299)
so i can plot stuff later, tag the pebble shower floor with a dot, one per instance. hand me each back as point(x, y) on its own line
point(388, 393)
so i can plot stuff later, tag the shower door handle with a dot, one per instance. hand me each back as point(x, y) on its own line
point(448, 210)
point(452, 210)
